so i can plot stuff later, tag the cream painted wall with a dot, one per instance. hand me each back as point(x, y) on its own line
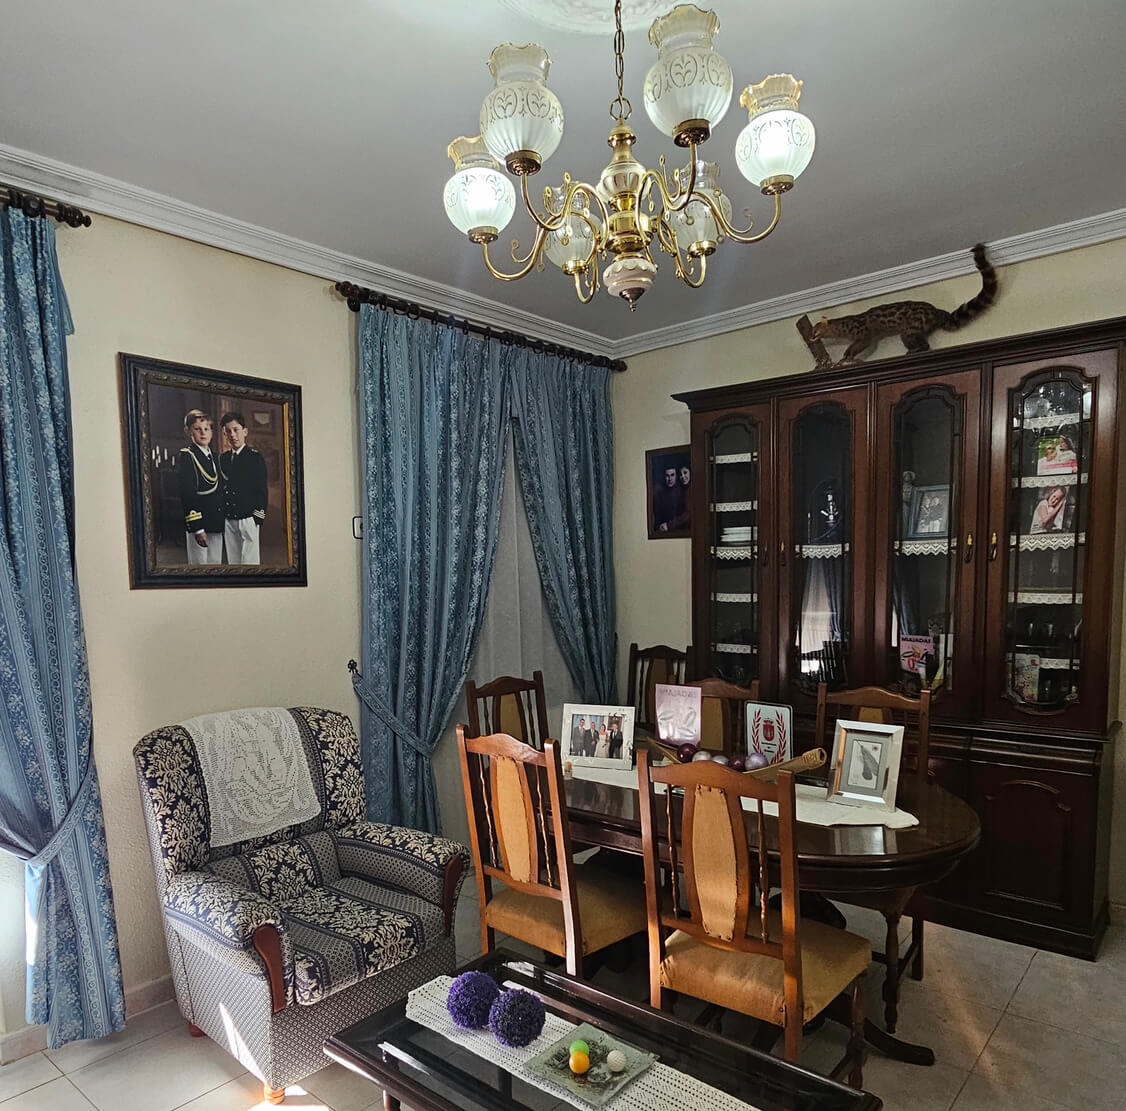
point(157, 656)
point(654, 577)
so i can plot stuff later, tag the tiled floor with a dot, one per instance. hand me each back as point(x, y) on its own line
point(1014, 1029)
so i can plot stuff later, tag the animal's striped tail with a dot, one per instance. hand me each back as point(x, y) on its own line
point(963, 314)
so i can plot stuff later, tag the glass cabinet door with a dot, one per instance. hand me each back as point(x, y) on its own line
point(928, 435)
point(821, 568)
point(733, 582)
point(1051, 538)
point(1049, 468)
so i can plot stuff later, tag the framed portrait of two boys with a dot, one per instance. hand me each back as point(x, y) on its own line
point(214, 477)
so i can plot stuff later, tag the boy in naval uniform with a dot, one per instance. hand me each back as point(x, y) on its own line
point(199, 491)
point(244, 492)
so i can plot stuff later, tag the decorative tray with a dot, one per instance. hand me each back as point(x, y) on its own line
point(598, 1085)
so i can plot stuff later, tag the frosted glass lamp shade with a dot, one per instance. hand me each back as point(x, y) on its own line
point(688, 88)
point(521, 118)
point(777, 144)
point(569, 248)
point(696, 228)
point(479, 199)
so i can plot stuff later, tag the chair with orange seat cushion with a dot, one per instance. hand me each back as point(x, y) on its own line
point(725, 946)
point(517, 811)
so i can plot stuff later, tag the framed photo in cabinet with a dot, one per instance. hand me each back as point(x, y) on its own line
point(930, 512)
point(668, 478)
point(864, 764)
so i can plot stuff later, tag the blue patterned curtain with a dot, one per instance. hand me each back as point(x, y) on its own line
point(50, 806)
point(434, 412)
point(564, 458)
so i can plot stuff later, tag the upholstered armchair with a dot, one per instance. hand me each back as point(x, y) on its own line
point(278, 941)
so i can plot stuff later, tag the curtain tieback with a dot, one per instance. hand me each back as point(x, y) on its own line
point(41, 859)
point(386, 715)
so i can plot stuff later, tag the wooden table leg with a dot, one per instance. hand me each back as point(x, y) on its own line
point(390, 1103)
point(917, 942)
point(891, 974)
point(892, 1047)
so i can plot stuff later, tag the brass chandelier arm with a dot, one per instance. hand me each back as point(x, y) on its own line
point(529, 261)
point(553, 221)
point(743, 236)
point(666, 236)
point(672, 200)
point(592, 285)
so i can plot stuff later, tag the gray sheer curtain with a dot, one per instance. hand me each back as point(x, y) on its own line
point(516, 638)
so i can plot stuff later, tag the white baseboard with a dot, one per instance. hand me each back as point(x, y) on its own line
point(33, 1039)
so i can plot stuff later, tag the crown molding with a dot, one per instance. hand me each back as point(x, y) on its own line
point(110, 197)
point(1017, 248)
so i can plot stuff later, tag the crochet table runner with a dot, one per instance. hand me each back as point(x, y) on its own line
point(656, 1089)
point(812, 806)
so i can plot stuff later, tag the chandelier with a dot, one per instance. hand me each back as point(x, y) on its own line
point(687, 92)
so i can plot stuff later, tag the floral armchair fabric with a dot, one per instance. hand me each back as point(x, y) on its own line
point(277, 943)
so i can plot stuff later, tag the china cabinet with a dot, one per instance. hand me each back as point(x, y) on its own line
point(944, 520)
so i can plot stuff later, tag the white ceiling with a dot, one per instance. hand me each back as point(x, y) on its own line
point(938, 125)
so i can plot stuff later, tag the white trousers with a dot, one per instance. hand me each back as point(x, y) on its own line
point(213, 553)
point(242, 541)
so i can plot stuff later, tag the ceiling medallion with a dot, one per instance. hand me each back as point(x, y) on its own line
point(588, 17)
point(687, 92)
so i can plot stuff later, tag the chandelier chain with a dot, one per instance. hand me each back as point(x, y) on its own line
point(620, 108)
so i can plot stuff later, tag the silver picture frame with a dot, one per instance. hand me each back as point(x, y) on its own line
point(864, 764)
point(588, 736)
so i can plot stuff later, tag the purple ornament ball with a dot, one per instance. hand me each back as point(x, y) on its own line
point(737, 763)
point(685, 752)
point(517, 1017)
point(471, 996)
point(755, 761)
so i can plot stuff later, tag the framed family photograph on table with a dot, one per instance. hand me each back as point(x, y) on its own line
point(864, 764)
point(597, 736)
point(214, 487)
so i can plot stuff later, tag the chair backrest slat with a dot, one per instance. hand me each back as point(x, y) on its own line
point(648, 667)
point(511, 705)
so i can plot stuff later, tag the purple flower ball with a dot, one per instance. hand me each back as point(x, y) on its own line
point(471, 996)
point(517, 1017)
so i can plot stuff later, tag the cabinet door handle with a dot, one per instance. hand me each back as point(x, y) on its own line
point(992, 546)
point(765, 553)
point(969, 548)
point(782, 554)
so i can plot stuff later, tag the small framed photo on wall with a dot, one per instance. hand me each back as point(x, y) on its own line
point(864, 764)
point(668, 478)
point(214, 477)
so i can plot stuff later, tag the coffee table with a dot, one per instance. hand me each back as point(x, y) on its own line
point(421, 1068)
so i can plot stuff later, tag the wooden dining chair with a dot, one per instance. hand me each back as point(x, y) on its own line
point(721, 714)
point(509, 705)
point(877, 704)
point(518, 831)
point(726, 946)
point(648, 667)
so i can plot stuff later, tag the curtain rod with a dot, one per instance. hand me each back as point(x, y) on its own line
point(359, 295)
point(32, 205)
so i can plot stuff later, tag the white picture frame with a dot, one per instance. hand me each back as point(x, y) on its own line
point(864, 764)
point(578, 748)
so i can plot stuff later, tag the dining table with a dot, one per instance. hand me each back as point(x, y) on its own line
point(865, 865)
